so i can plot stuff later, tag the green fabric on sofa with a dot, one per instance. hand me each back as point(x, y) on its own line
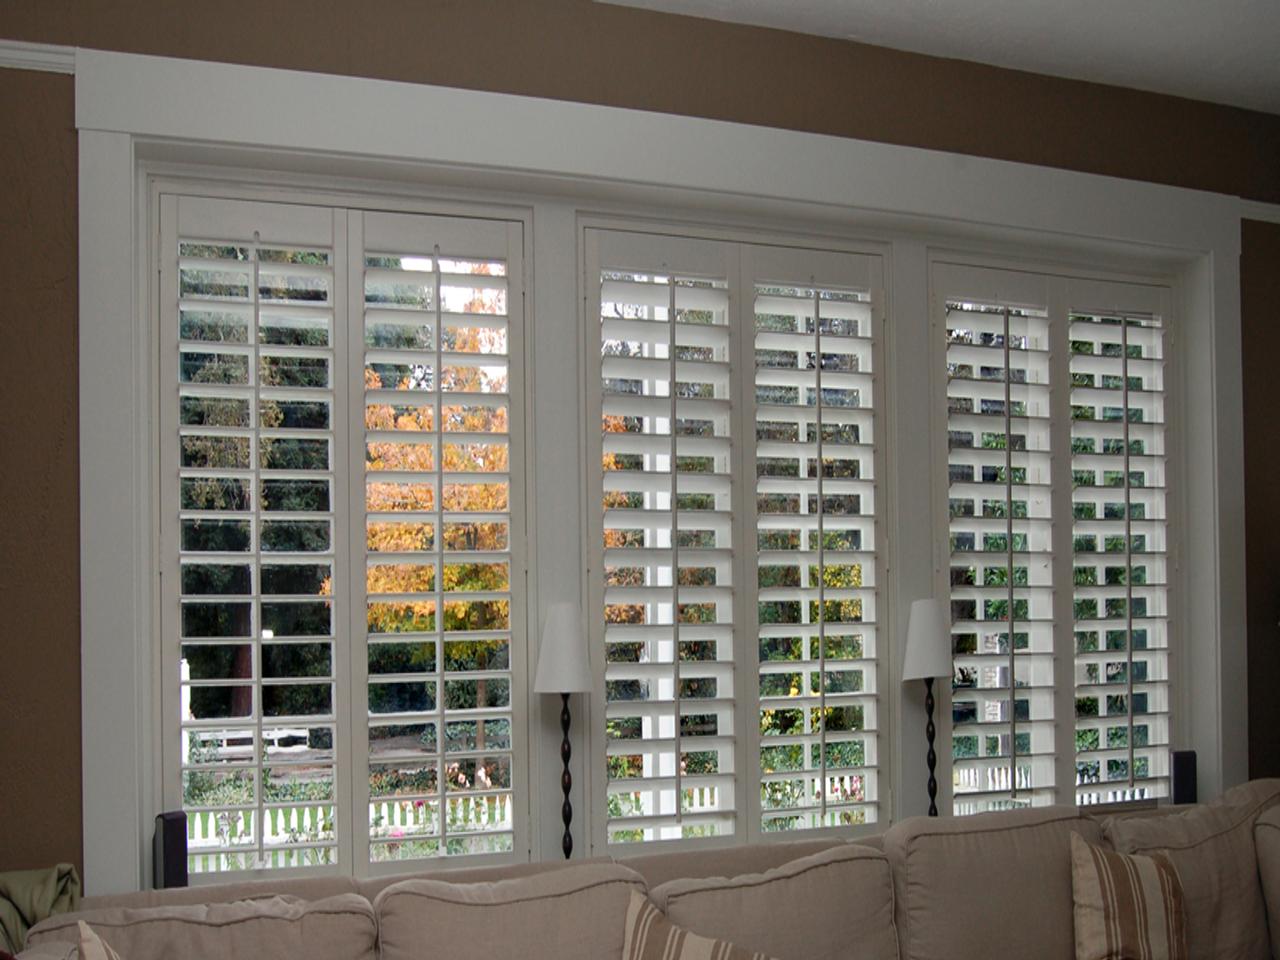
point(29, 896)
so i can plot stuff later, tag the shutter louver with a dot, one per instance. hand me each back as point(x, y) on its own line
point(668, 583)
point(1121, 564)
point(438, 529)
point(255, 460)
point(816, 542)
point(998, 426)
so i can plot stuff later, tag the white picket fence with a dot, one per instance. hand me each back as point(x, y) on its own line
point(212, 832)
point(281, 825)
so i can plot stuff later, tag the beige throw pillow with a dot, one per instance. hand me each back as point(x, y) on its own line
point(649, 935)
point(92, 947)
point(1127, 907)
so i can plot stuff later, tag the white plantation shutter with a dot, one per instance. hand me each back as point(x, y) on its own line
point(1001, 571)
point(342, 532)
point(816, 536)
point(440, 518)
point(1121, 567)
point(768, 708)
point(1043, 371)
point(666, 487)
point(251, 458)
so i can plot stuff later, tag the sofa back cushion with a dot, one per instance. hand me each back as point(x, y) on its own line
point(1212, 847)
point(298, 888)
point(659, 868)
point(370, 887)
point(837, 903)
point(337, 928)
point(990, 885)
point(576, 913)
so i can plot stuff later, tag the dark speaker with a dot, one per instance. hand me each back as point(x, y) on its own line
point(169, 850)
point(1184, 776)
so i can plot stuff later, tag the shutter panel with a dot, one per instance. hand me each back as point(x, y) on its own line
point(999, 485)
point(441, 525)
point(1121, 563)
point(666, 483)
point(816, 537)
point(342, 386)
point(666, 414)
point(251, 437)
point(677, 317)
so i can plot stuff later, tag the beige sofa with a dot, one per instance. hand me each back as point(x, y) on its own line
point(990, 886)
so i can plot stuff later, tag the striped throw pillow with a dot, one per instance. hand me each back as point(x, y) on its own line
point(650, 935)
point(1127, 907)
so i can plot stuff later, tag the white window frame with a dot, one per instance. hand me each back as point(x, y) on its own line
point(158, 182)
point(568, 160)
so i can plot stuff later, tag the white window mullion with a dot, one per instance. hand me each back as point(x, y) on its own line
point(746, 565)
point(357, 712)
point(1064, 640)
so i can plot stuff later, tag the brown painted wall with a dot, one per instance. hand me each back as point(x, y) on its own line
point(1260, 306)
point(565, 49)
point(40, 522)
point(580, 50)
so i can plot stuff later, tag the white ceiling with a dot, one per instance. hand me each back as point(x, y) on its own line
point(1225, 51)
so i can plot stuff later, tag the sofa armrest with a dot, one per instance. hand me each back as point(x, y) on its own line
point(1266, 842)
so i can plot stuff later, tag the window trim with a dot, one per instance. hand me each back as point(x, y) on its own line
point(161, 183)
point(131, 109)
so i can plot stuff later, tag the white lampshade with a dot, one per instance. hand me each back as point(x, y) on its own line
point(928, 641)
point(563, 665)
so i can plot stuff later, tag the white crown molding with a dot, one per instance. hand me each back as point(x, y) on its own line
point(48, 57)
point(1256, 210)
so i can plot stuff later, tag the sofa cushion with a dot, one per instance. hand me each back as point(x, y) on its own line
point(993, 884)
point(837, 903)
point(370, 887)
point(573, 914)
point(1266, 839)
point(651, 936)
point(300, 888)
point(338, 928)
point(47, 951)
point(1212, 847)
point(1126, 905)
point(659, 868)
